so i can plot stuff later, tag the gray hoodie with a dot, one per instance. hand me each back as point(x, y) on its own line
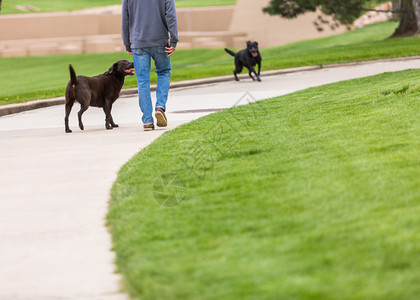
point(147, 23)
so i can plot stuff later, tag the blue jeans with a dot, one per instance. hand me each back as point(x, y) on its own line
point(142, 58)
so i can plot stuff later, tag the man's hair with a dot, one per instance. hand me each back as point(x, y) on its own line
point(0, 5)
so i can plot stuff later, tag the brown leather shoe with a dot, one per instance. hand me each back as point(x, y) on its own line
point(160, 117)
point(149, 127)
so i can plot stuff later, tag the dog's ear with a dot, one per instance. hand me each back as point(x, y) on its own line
point(256, 43)
point(248, 43)
point(112, 69)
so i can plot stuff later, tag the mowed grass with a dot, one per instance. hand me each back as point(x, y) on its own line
point(28, 78)
point(313, 195)
point(9, 6)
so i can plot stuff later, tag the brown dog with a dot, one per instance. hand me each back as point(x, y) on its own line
point(99, 91)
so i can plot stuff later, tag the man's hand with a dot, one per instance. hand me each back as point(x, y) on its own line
point(170, 50)
point(130, 53)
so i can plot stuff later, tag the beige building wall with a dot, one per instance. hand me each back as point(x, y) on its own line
point(274, 30)
point(52, 25)
point(94, 31)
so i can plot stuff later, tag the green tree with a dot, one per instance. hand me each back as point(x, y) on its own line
point(346, 11)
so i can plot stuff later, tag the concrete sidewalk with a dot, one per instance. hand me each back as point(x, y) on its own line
point(36, 104)
point(55, 186)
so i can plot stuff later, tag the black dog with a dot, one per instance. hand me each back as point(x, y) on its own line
point(249, 58)
point(99, 91)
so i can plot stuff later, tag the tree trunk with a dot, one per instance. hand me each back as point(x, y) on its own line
point(410, 17)
point(416, 6)
point(396, 6)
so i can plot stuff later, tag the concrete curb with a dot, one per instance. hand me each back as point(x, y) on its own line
point(21, 107)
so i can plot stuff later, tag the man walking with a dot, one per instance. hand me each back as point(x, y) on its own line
point(149, 29)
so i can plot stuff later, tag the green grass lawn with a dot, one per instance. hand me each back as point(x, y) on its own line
point(9, 6)
point(23, 79)
point(313, 195)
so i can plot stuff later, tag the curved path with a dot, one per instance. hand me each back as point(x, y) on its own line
point(54, 187)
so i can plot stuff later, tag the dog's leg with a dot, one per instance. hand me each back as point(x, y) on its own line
point(259, 71)
point(250, 75)
point(83, 97)
point(108, 118)
point(83, 108)
point(69, 105)
point(111, 120)
point(238, 69)
point(236, 76)
point(258, 76)
point(252, 70)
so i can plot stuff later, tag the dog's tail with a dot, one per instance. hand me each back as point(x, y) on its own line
point(73, 77)
point(230, 52)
